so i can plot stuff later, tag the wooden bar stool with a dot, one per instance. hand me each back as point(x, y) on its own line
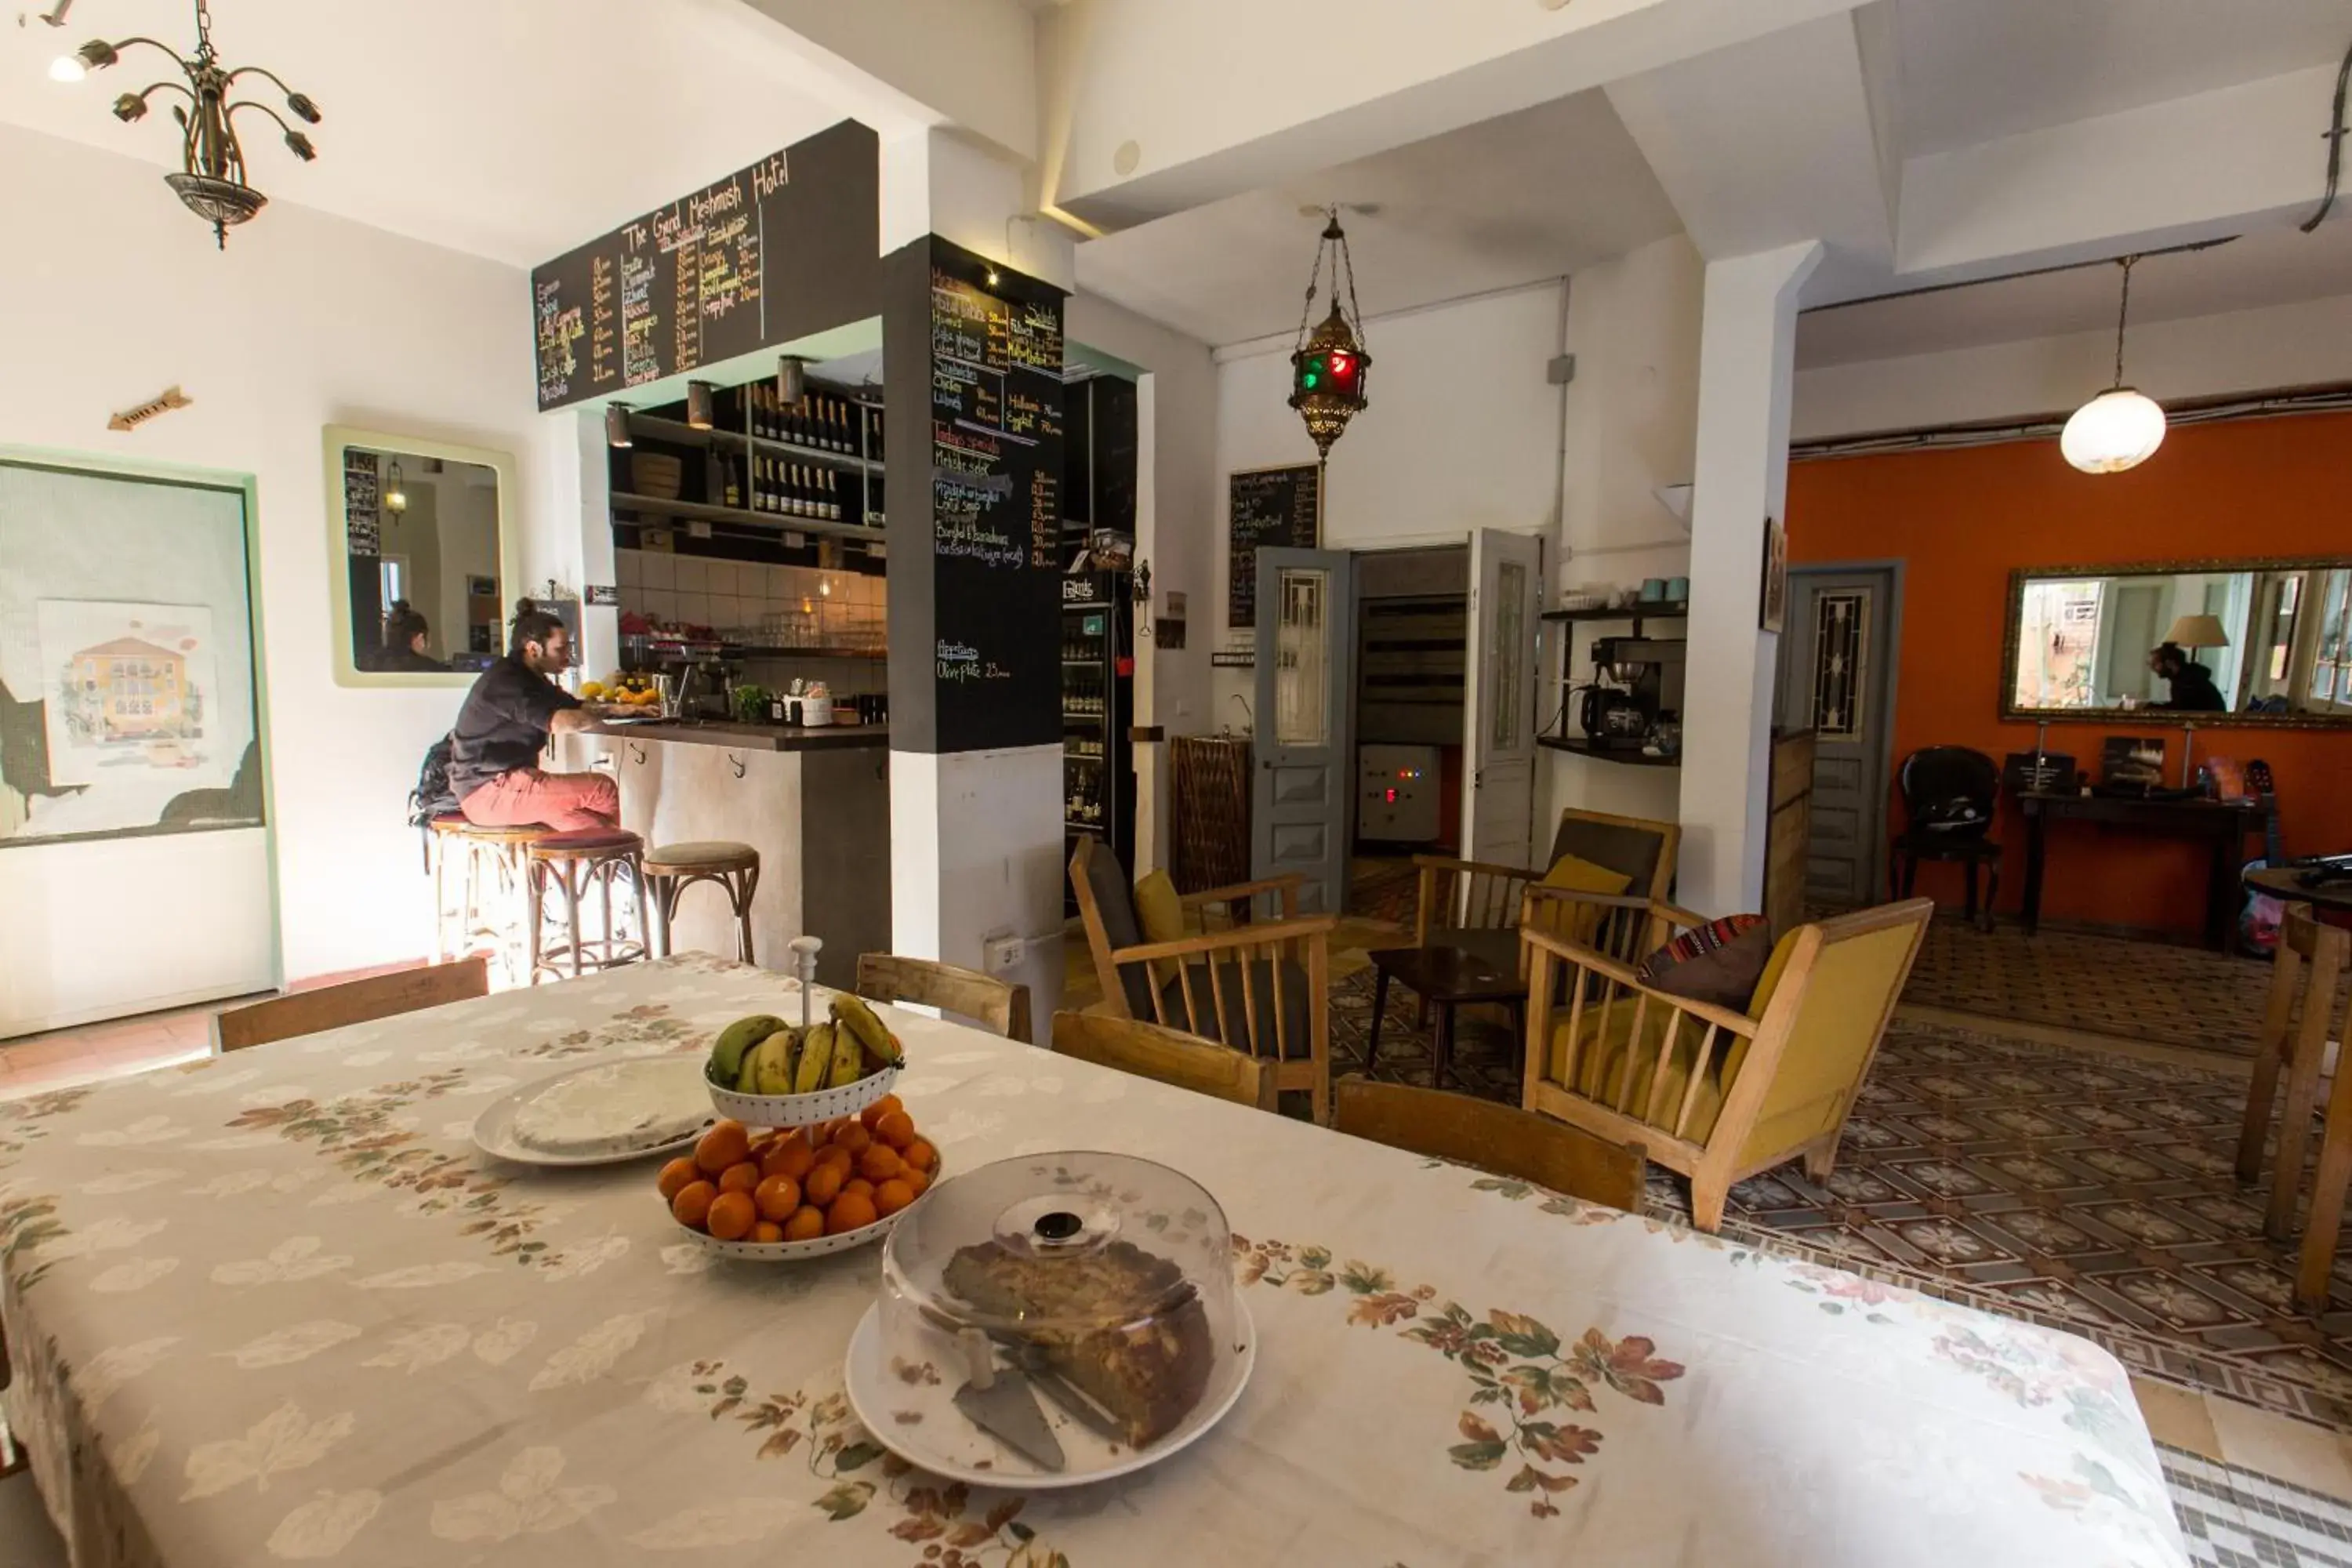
point(673, 867)
point(2310, 958)
point(491, 906)
point(569, 864)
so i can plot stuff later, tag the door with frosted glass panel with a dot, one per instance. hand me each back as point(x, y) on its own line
point(1498, 808)
point(1306, 706)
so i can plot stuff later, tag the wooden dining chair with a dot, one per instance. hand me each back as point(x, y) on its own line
point(999, 1007)
point(1165, 1057)
point(1500, 1139)
point(354, 1002)
point(2310, 958)
point(1480, 906)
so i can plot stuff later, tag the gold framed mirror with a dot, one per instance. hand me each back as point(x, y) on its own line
point(426, 549)
point(2255, 644)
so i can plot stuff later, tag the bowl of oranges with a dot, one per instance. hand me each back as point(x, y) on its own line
point(790, 1193)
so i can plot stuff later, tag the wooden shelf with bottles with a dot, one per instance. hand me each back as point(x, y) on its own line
point(698, 511)
point(684, 435)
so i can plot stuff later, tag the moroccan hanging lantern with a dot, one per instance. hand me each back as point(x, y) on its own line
point(1327, 367)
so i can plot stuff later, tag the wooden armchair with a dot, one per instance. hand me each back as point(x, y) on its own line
point(1478, 905)
point(1262, 988)
point(1716, 1094)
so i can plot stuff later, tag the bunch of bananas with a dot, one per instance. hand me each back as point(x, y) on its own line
point(764, 1055)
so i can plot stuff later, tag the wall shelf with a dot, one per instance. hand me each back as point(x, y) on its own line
point(1626, 754)
point(684, 435)
point(696, 512)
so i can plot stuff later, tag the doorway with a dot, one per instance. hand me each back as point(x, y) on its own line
point(1837, 679)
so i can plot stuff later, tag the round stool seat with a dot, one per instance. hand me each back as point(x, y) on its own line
point(530, 833)
point(700, 855)
point(585, 843)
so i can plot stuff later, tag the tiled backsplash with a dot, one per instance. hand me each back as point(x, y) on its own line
point(740, 598)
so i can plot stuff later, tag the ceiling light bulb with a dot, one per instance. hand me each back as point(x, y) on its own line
point(395, 499)
point(699, 410)
point(68, 67)
point(616, 426)
point(2115, 431)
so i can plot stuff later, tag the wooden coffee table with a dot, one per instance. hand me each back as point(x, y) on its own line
point(1445, 978)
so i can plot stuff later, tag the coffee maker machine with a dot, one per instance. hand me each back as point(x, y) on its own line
point(1637, 686)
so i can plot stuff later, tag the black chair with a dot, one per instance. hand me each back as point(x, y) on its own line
point(1949, 795)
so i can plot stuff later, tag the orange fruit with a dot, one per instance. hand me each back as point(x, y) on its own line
point(860, 1185)
point(777, 1197)
point(805, 1225)
point(788, 1156)
point(725, 1144)
point(740, 1178)
point(880, 1162)
point(919, 1154)
point(853, 1138)
point(822, 1133)
point(850, 1211)
point(823, 1184)
point(677, 1174)
point(839, 1158)
point(765, 1232)
point(733, 1215)
point(891, 1196)
point(916, 1180)
point(896, 1129)
point(692, 1203)
point(872, 1114)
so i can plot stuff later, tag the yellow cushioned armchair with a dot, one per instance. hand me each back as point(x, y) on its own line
point(1716, 1094)
point(1478, 905)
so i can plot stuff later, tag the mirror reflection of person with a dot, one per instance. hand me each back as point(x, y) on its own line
point(2193, 691)
point(405, 635)
point(494, 749)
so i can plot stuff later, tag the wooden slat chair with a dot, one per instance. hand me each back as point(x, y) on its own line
point(1478, 905)
point(2310, 958)
point(1165, 1057)
point(998, 1005)
point(354, 1002)
point(1716, 1094)
point(1262, 988)
point(1495, 1138)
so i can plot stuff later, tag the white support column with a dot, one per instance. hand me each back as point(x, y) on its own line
point(1746, 349)
point(976, 836)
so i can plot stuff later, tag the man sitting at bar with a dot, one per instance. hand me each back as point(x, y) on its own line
point(495, 748)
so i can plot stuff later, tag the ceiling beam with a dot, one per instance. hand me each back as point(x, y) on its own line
point(1149, 108)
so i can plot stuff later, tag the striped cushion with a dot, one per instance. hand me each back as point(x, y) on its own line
point(1692, 943)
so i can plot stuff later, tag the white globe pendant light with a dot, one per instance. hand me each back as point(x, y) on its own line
point(2120, 428)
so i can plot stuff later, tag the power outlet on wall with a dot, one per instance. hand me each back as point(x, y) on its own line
point(1002, 953)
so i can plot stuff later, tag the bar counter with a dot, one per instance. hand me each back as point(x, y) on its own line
point(815, 804)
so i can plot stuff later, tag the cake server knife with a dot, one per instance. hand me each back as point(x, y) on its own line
point(1007, 1410)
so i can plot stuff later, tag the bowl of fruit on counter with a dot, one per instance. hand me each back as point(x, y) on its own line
point(764, 1072)
point(801, 1192)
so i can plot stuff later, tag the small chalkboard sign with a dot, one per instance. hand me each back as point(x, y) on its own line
point(1278, 508)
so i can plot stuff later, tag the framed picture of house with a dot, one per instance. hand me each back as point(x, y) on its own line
point(127, 692)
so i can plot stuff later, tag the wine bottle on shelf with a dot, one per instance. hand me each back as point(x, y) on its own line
point(802, 504)
point(833, 425)
point(832, 497)
point(763, 490)
point(768, 412)
point(733, 493)
point(758, 425)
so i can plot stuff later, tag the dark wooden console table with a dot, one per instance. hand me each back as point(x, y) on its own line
point(2223, 825)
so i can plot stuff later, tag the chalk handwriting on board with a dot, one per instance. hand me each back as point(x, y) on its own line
point(1280, 506)
point(960, 662)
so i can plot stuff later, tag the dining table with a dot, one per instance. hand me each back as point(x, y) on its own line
point(276, 1305)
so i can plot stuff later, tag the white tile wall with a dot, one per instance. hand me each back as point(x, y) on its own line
point(741, 594)
point(693, 575)
point(627, 567)
point(655, 568)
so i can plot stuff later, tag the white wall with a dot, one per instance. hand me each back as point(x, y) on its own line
point(305, 320)
point(1462, 432)
point(1632, 421)
point(1175, 495)
point(2304, 344)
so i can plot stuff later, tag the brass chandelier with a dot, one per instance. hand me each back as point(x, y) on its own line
point(212, 163)
point(1327, 367)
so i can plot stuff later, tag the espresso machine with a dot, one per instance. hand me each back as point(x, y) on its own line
point(1637, 686)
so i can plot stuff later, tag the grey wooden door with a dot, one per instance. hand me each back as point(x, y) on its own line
point(1836, 677)
point(1305, 709)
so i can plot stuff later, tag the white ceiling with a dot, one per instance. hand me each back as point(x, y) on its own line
point(513, 130)
point(1974, 70)
point(2275, 266)
point(1530, 196)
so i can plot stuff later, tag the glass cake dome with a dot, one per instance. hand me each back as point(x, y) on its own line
point(1100, 1283)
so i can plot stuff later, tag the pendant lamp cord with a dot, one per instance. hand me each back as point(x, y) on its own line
point(2334, 146)
point(2122, 316)
point(1334, 244)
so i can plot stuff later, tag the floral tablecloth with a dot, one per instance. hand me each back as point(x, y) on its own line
point(275, 1307)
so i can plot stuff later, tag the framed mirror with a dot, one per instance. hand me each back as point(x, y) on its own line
point(426, 541)
point(2231, 643)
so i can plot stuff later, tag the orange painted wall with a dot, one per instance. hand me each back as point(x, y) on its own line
point(1962, 519)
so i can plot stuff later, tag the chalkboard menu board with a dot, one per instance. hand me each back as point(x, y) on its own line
point(773, 252)
point(363, 516)
point(1280, 508)
point(975, 577)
